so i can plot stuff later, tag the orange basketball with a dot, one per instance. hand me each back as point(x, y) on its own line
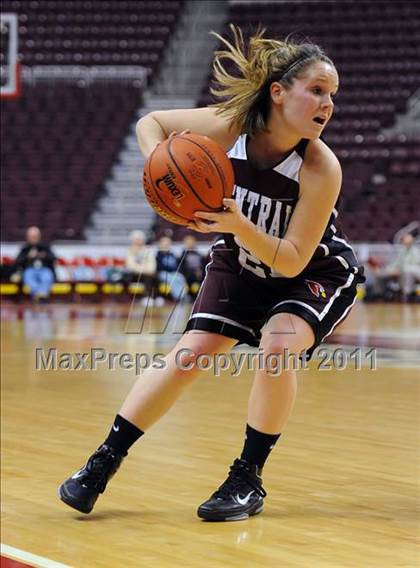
point(185, 174)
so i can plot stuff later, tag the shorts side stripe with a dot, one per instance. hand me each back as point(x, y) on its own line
point(346, 311)
point(223, 320)
point(306, 306)
point(335, 296)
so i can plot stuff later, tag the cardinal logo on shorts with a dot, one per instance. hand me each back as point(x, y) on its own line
point(316, 289)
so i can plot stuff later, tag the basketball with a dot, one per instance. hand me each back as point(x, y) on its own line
point(187, 173)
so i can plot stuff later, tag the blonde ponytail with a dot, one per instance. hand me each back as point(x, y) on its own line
point(258, 62)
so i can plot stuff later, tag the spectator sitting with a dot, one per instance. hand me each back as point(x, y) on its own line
point(140, 264)
point(36, 262)
point(167, 268)
point(192, 265)
point(405, 269)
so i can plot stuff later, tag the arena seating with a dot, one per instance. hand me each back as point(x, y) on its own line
point(53, 169)
point(95, 32)
point(375, 46)
point(58, 145)
point(58, 141)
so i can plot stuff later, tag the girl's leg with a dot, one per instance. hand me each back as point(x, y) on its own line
point(269, 407)
point(157, 389)
point(151, 396)
point(272, 396)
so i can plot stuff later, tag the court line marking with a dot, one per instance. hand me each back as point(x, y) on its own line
point(35, 560)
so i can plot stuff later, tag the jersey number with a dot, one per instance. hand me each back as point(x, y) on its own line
point(254, 264)
point(249, 261)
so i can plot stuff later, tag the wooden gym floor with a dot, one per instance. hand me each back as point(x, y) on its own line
point(343, 486)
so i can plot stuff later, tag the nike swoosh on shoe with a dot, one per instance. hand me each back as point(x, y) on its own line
point(245, 500)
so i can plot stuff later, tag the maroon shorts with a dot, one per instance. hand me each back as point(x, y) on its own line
point(237, 304)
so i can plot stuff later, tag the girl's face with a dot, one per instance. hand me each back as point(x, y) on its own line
point(307, 106)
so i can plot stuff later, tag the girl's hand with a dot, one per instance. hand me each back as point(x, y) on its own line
point(171, 135)
point(231, 220)
point(174, 133)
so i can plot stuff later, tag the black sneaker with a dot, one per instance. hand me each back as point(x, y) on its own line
point(238, 498)
point(82, 489)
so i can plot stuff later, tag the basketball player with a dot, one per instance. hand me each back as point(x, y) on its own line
point(281, 278)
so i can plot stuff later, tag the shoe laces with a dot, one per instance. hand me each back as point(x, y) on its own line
point(100, 467)
point(240, 474)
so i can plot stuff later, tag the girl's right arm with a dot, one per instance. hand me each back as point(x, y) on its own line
point(158, 125)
